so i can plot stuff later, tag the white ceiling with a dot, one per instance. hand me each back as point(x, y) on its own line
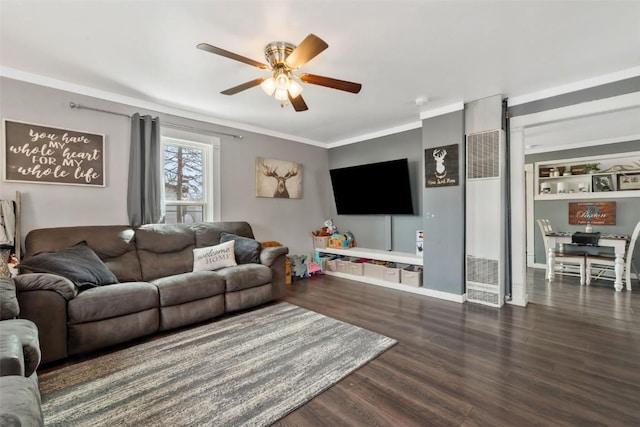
point(144, 53)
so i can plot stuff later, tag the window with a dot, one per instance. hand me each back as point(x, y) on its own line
point(191, 175)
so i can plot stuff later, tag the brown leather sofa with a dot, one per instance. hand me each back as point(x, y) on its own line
point(157, 289)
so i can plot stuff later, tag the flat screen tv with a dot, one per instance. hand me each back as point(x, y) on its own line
point(382, 188)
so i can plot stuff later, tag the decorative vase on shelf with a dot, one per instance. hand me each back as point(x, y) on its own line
point(589, 228)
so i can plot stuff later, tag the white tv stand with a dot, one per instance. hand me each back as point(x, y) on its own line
point(392, 256)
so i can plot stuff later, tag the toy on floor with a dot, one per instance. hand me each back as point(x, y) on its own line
point(298, 267)
point(314, 268)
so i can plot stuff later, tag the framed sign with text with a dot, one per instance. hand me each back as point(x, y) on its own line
point(49, 155)
point(441, 166)
point(596, 213)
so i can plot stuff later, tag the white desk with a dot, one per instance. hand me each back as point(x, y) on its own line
point(617, 242)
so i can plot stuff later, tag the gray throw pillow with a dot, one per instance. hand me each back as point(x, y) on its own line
point(247, 250)
point(79, 263)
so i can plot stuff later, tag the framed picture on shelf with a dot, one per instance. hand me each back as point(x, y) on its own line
point(603, 182)
point(630, 181)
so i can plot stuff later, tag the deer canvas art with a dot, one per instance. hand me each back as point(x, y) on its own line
point(278, 178)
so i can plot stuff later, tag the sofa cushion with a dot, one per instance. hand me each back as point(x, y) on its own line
point(114, 244)
point(112, 301)
point(208, 233)
point(165, 249)
point(214, 257)
point(188, 287)
point(9, 307)
point(79, 263)
point(245, 276)
point(247, 250)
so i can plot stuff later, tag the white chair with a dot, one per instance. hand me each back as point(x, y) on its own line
point(603, 263)
point(566, 263)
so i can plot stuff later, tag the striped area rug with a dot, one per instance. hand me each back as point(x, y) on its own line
point(250, 369)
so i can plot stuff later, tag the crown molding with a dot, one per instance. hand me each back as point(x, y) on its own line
point(575, 86)
point(139, 103)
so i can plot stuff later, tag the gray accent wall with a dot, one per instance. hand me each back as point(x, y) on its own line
point(443, 211)
point(369, 230)
point(287, 221)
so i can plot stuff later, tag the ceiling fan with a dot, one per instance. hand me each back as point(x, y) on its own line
point(283, 59)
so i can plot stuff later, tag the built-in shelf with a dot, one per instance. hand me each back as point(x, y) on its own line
point(572, 180)
point(382, 255)
point(378, 254)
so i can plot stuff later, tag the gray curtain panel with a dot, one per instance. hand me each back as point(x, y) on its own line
point(145, 179)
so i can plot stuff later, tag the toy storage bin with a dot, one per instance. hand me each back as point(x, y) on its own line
point(392, 272)
point(411, 275)
point(332, 263)
point(356, 266)
point(375, 269)
point(323, 260)
point(320, 242)
point(342, 265)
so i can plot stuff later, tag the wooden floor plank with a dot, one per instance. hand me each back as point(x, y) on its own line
point(571, 357)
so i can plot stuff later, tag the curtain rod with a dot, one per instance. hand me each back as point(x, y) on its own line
point(82, 107)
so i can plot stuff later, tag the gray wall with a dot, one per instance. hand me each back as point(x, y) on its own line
point(368, 230)
point(627, 209)
point(443, 207)
point(287, 221)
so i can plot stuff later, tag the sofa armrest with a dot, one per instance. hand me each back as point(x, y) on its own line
point(9, 308)
point(46, 282)
point(26, 332)
point(11, 356)
point(270, 254)
point(21, 404)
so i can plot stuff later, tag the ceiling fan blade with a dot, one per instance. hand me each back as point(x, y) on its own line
point(231, 55)
point(243, 86)
point(306, 51)
point(332, 83)
point(298, 103)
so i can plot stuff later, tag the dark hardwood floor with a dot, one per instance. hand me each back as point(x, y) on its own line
point(571, 357)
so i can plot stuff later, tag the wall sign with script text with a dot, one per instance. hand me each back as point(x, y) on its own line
point(441, 166)
point(596, 213)
point(49, 155)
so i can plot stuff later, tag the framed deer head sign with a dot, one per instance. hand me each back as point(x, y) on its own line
point(278, 178)
point(441, 166)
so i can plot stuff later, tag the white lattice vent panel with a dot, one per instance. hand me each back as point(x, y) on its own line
point(484, 294)
point(483, 155)
point(483, 281)
point(483, 270)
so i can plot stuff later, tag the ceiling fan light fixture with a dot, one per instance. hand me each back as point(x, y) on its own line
point(281, 94)
point(282, 59)
point(295, 89)
point(282, 81)
point(269, 86)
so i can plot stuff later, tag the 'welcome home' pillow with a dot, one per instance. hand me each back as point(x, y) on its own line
point(214, 257)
